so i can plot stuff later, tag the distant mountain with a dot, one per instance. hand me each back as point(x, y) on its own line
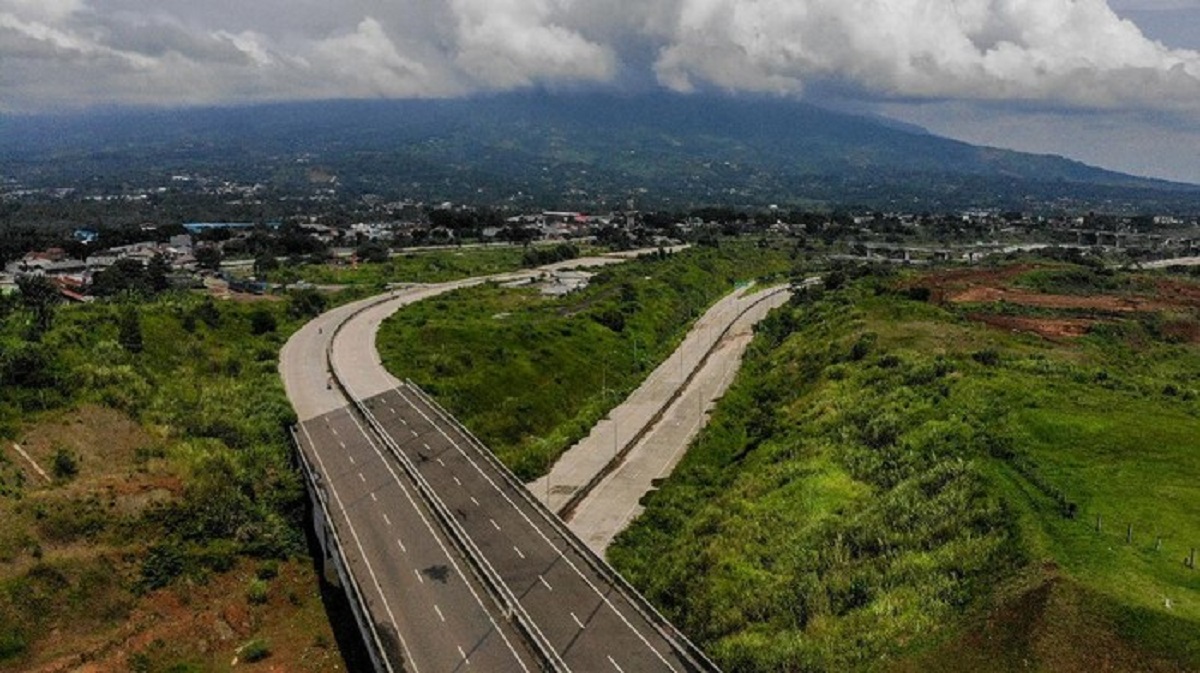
point(586, 151)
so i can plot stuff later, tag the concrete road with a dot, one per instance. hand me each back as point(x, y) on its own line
point(615, 502)
point(577, 469)
point(590, 624)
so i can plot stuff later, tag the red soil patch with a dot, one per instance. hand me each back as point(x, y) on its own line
point(1049, 328)
point(1103, 303)
point(993, 286)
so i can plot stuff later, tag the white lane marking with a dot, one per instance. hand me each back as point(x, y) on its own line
point(427, 447)
point(545, 583)
point(401, 546)
point(429, 526)
point(360, 476)
point(418, 574)
point(457, 481)
point(333, 430)
point(518, 550)
point(414, 433)
point(464, 656)
point(439, 611)
point(537, 529)
point(393, 410)
point(441, 462)
point(363, 554)
point(352, 461)
point(494, 524)
point(387, 520)
point(342, 444)
point(374, 498)
point(577, 622)
point(404, 421)
point(614, 663)
point(474, 501)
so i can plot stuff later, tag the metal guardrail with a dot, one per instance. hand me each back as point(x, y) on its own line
point(358, 604)
point(480, 567)
point(692, 654)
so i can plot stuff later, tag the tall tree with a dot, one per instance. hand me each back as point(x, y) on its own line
point(129, 329)
point(40, 296)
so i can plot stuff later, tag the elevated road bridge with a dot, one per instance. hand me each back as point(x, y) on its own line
point(449, 562)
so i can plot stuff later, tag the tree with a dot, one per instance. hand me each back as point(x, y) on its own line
point(264, 264)
point(306, 303)
point(129, 329)
point(208, 257)
point(262, 321)
point(39, 296)
point(157, 271)
point(125, 275)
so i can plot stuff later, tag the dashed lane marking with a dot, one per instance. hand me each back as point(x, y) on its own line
point(519, 552)
point(577, 622)
point(387, 520)
point(494, 524)
point(419, 577)
point(439, 613)
point(400, 544)
point(374, 498)
point(545, 583)
point(615, 665)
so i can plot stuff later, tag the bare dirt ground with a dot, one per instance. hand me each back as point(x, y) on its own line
point(995, 286)
point(121, 472)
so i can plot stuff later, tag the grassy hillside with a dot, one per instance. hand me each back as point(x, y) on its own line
point(910, 484)
point(168, 532)
point(531, 375)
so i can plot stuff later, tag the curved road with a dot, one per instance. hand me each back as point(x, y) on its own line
point(459, 566)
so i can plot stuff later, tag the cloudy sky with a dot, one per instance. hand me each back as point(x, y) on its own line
point(1110, 82)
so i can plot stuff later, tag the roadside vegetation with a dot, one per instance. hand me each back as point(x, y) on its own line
point(155, 521)
point(898, 481)
point(421, 266)
point(531, 374)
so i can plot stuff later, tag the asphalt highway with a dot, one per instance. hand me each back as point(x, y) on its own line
point(426, 598)
point(590, 624)
point(432, 613)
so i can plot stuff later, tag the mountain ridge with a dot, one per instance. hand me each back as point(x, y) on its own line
point(576, 149)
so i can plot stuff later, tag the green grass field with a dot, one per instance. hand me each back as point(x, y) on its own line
point(889, 485)
point(531, 375)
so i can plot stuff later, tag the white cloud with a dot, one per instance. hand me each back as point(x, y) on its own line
point(506, 44)
point(1076, 51)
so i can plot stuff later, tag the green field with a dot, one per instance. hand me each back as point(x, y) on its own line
point(412, 267)
point(890, 485)
point(531, 375)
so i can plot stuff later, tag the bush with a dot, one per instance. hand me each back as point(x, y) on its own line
point(262, 322)
point(66, 465)
point(257, 593)
point(255, 650)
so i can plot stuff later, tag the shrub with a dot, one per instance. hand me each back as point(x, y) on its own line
point(255, 650)
point(268, 570)
point(257, 593)
point(66, 465)
point(262, 322)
